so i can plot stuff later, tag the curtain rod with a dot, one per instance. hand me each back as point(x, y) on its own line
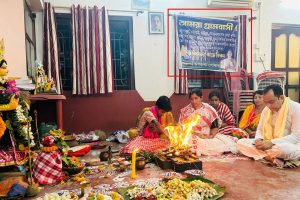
point(138, 12)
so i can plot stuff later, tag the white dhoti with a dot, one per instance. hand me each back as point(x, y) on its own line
point(289, 151)
point(286, 151)
point(214, 146)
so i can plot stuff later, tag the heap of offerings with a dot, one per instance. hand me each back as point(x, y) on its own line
point(179, 156)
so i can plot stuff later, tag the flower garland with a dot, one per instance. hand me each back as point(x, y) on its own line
point(7, 89)
point(59, 140)
point(58, 134)
point(20, 122)
point(72, 162)
point(49, 149)
point(17, 120)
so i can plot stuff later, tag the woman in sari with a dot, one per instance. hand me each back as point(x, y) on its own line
point(251, 115)
point(223, 112)
point(150, 128)
point(206, 139)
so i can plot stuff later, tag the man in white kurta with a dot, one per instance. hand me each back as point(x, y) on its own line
point(278, 131)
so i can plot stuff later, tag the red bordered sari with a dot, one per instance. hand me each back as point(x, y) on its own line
point(149, 141)
point(214, 146)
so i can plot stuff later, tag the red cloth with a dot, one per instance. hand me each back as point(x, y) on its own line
point(48, 168)
point(145, 144)
point(48, 141)
point(80, 151)
point(11, 157)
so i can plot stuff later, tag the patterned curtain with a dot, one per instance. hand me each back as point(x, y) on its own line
point(243, 41)
point(181, 85)
point(92, 62)
point(51, 53)
point(180, 78)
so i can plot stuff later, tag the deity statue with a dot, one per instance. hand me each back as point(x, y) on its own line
point(42, 82)
point(14, 108)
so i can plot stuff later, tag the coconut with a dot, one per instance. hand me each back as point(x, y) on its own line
point(101, 135)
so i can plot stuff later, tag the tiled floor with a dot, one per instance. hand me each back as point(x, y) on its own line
point(243, 179)
point(248, 179)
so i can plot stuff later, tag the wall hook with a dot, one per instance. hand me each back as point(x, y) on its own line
point(139, 12)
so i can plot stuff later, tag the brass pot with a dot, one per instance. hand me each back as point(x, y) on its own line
point(140, 163)
point(122, 167)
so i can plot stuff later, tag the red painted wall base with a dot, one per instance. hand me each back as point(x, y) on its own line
point(117, 111)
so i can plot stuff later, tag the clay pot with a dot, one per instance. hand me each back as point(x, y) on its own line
point(140, 163)
point(104, 156)
point(73, 171)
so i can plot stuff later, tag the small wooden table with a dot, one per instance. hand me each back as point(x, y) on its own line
point(58, 98)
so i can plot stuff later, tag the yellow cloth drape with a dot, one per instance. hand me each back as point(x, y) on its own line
point(270, 133)
point(12, 105)
point(245, 121)
point(167, 119)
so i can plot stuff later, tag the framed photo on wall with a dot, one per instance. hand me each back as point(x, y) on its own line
point(140, 4)
point(156, 23)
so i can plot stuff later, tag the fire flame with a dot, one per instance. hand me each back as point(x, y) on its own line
point(180, 134)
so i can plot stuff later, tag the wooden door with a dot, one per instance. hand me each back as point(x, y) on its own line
point(286, 56)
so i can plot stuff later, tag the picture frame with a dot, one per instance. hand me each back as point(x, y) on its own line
point(140, 4)
point(156, 23)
